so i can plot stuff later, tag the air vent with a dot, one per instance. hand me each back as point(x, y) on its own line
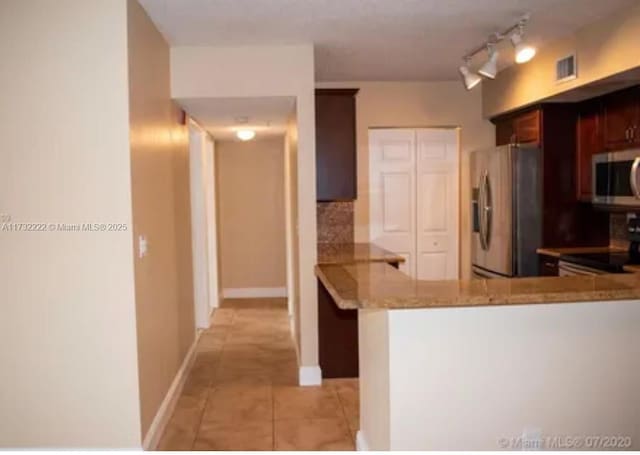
point(566, 69)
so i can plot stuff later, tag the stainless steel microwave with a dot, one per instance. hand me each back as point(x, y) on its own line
point(615, 178)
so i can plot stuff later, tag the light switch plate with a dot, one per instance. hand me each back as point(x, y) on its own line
point(143, 246)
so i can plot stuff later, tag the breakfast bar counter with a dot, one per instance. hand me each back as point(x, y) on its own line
point(377, 285)
point(546, 356)
point(351, 253)
point(337, 328)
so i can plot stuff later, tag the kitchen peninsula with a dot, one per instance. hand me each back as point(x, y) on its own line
point(458, 364)
point(338, 329)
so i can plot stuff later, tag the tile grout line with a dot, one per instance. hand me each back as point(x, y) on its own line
point(210, 386)
point(344, 414)
point(273, 418)
point(234, 325)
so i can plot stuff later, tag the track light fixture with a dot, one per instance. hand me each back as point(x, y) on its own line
point(523, 53)
point(490, 68)
point(470, 79)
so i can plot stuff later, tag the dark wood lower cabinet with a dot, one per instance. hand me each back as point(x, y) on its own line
point(548, 265)
point(337, 337)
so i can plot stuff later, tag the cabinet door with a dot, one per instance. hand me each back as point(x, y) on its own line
point(548, 265)
point(504, 131)
point(527, 127)
point(635, 113)
point(335, 145)
point(620, 116)
point(589, 142)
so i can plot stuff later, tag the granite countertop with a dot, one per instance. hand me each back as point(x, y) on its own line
point(350, 253)
point(378, 285)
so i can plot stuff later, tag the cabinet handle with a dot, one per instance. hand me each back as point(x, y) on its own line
point(626, 134)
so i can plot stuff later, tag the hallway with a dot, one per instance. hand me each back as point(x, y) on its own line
point(241, 393)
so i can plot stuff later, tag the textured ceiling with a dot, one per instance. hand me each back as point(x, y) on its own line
point(372, 39)
point(220, 116)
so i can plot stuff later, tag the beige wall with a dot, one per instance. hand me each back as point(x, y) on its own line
point(250, 185)
point(419, 104)
point(67, 318)
point(604, 48)
point(161, 212)
point(254, 71)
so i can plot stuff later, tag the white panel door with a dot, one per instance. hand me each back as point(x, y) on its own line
point(414, 200)
point(392, 190)
point(437, 171)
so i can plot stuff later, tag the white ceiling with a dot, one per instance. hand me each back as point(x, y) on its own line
point(220, 116)
point(372, 39)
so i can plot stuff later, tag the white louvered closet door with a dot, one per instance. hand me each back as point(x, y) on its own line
point(414, 198)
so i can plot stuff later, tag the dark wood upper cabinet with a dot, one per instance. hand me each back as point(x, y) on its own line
point(589, 142)
point(553, 128)
point(527, 127)
point(621, 119)
point(504, 131)
point(518, 128)
point(336, 173)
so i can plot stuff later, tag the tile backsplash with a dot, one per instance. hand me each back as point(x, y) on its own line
point(335, 222)
point(618, 230)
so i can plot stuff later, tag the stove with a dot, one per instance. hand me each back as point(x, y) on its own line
point(600, 263)
point(612, 262)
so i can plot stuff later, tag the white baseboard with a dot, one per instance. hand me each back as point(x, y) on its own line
point(253, 293)
point(361, 442)
point(159, 423)
point(310, 376)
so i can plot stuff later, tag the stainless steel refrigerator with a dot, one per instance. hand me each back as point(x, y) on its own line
point(506, 187)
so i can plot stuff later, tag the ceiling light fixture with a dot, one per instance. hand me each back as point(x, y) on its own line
point(490, 68)
point(245, 135)
point(523, 53)
point(470, 79)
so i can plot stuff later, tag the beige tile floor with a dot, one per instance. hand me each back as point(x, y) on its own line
point(242, 395)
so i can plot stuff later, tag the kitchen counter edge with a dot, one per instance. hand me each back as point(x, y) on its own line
point(380, 286)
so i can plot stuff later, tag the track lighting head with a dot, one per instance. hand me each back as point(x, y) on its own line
point(490, 68)
point(524, 52)
point(470, 79)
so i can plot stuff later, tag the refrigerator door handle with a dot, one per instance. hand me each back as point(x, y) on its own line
point(488, 209)
point(634, 178)
point(485, 211)
point(481, 212)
